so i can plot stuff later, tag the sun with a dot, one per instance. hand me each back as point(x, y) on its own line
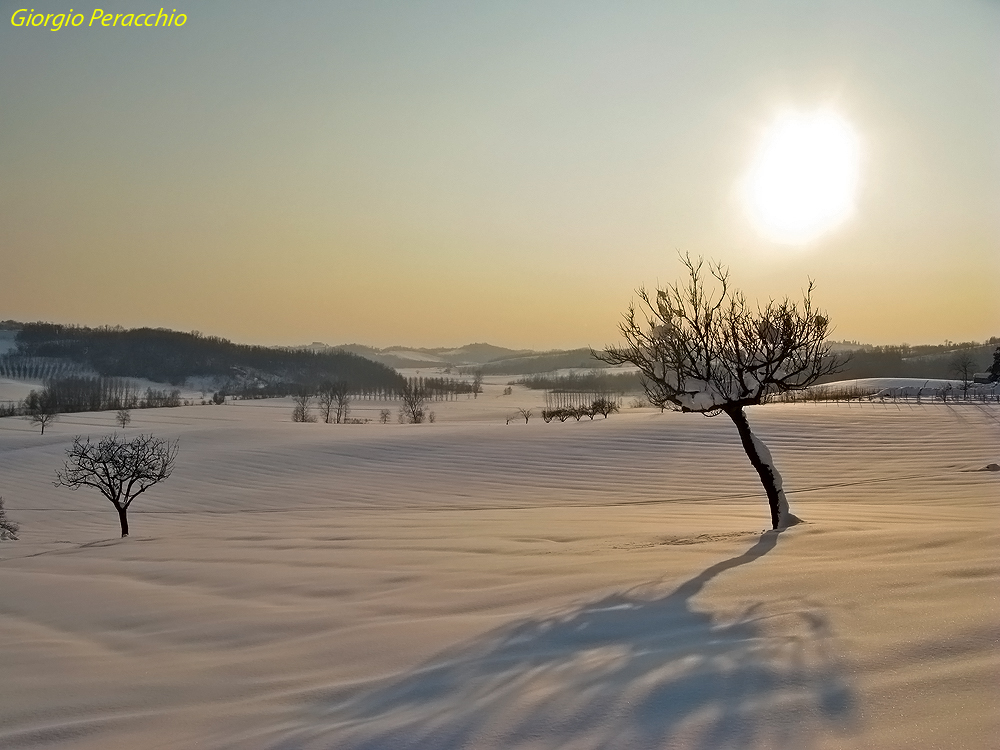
point(804, 179)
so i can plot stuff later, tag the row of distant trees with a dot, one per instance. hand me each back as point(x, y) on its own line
point(603, 405)
point(594, 381)
point(20, 367)
point(80, 393)
point(333, 402)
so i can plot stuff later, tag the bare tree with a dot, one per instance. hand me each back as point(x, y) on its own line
point(383, 416)
point(709, 351)
point(994, 370)
point(525, 413)
point(604, 405)
point(477, 383)
point(334, 402)
point(411, 411)
point(7, 527)
point(40, 409)
point(964, 366)
point(326, 402)
point(342, 396)
point(301, 411)
point(123, 417)
point(120, 469)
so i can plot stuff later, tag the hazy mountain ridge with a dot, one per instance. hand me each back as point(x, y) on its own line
point(135, 355)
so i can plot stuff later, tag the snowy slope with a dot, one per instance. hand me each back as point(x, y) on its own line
point(473, 584)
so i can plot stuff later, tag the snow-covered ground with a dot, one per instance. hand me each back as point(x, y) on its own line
point(17, 390)
point(476, 584)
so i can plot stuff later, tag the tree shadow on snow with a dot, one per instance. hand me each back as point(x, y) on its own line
point(632, 670)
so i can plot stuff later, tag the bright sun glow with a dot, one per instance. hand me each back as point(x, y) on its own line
point(805, 176)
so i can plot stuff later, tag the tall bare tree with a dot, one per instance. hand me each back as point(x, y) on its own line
point(708, 350)
point(477, 383)
point(119, 469)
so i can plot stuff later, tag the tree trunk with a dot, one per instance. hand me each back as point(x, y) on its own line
point(760, 459)
point(124, 520)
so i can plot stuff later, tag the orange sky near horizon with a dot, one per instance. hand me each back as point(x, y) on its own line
point(437, 173)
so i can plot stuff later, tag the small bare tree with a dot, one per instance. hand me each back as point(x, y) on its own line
point(40, 409)
point(709, 351)
point(964, 366)
point(411, 411)
point(477, 383)
point(301, 412)
point(123, 417)
point(383, 416)
point(120, 469)
point(7, 527)
point(525, 413)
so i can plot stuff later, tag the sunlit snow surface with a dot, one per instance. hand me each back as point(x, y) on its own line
point(476, 584)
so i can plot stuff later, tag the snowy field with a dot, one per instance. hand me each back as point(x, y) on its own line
point(474, 584)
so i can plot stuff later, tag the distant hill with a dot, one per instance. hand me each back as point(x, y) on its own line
point(410, 357)
point(166, 356)
point(540, 362)
point(926, 361)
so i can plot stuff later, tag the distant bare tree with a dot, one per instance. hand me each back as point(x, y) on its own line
point(334, 402)
point(40, 409)
point(120, 469)
point(342, 397)
point(326, 402)
point(477, 383)
point(525, 413)
point(411, 411)
point(383, 416)
point(7, 527)
point(301, 411)
point(964, 366)
point(123, 417)
point(604, 405)
point(709, 351)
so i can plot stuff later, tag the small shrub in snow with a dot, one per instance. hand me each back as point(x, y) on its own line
point(7, 527)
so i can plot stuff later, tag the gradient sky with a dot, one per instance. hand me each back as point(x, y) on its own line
point(436, 173)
